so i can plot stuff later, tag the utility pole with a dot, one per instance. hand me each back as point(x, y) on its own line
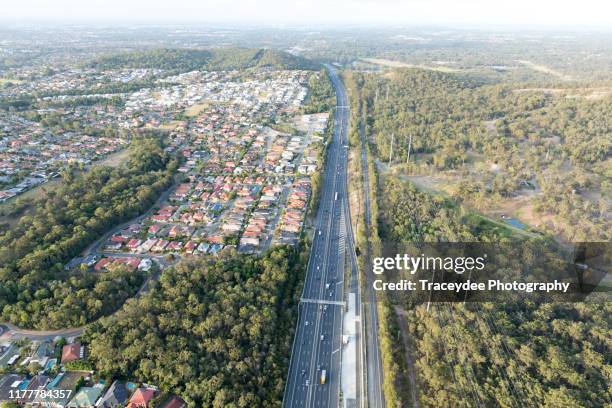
point(409, 147)
point(391, 151)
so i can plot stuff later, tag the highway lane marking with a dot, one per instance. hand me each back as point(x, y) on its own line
point(333, 266)
point(335, 363)
point(305, 333)
point(299, 333)
point(328, 244)
point(329, 268)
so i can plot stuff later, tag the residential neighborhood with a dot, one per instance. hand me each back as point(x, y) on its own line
point(246, 152)
point(244, 180)
point(80, 124)
point(56, 374)
point(31, 154)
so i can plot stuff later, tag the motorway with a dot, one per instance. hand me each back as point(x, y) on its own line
point(318, 340)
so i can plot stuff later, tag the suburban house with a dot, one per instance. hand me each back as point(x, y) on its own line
point(116, 395)
point(72, 352)
point(8, 383)
point(141, 398)
point(42, 353)
point(38, 382)
point(86, 397)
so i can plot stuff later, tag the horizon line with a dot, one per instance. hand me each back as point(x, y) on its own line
point(381, 25)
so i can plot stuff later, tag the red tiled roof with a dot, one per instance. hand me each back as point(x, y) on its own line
point(101, 264)
point(133, 243)
point(141, 398)
point(175, 402)
point(71, 352)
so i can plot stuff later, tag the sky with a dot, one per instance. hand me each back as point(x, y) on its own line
point(595, 14)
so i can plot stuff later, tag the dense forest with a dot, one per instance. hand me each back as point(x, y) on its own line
point(495, 354)
point(512, 354)
point(446, 115)
point(433, 220)
point(321, 94)
point(216, 330)
point(217, 59)
point(35, 290)
point(495, 142)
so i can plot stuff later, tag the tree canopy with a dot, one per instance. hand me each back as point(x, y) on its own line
point(216, 330)
point(35, 289)
point(217, 59)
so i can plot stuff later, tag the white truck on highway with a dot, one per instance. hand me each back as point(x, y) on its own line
point(323, 376)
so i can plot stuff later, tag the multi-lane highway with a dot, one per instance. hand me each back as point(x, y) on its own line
point(318, 340)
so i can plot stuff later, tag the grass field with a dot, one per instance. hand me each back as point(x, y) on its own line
point(115, 159)
point(194, 110)
point(591, 93)
point(480, 220)
point(546, 70)
point(399, 64)
point(112, 160)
